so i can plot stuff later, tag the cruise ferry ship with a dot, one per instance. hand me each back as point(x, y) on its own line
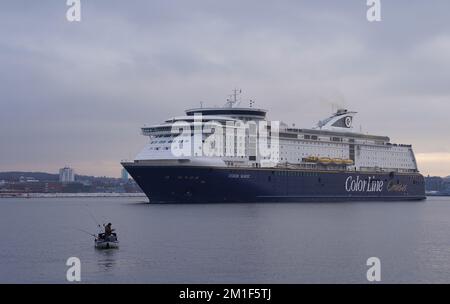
point(328, 162)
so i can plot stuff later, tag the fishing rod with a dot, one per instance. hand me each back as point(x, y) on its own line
point(86, 232)
point(93, 217)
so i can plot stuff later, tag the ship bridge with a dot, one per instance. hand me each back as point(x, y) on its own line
point(237, 113)
point(231, 109)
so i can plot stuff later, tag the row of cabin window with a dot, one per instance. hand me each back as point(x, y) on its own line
point(294, 173)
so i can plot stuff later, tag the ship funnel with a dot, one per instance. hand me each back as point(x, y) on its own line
point(341, 121)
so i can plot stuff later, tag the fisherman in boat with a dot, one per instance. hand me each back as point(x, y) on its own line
point(107, 239)
point(108, 230)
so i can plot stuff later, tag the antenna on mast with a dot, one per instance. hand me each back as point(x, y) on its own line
point(236, 92)
point(233, 98)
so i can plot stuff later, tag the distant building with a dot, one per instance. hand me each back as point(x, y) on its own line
point(66, 175)
point(434, 183)
point(23, 179)
point(124, 175)
point(446, 186)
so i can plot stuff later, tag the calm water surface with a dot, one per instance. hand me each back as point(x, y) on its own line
point(225, 243)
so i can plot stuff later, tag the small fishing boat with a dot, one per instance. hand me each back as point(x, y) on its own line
point(106, 242)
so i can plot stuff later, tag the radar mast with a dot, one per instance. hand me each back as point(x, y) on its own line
point(233, 99)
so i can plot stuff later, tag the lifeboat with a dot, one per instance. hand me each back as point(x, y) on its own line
point(337, 161)
point(348, 162)
point(325, 160)
point(312, 159)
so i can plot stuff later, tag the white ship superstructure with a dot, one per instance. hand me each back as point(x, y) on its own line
point(332, 142)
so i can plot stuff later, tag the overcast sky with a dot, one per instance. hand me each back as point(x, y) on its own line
point(77, 93)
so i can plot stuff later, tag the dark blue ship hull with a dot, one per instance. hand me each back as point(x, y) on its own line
point(187, 184)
